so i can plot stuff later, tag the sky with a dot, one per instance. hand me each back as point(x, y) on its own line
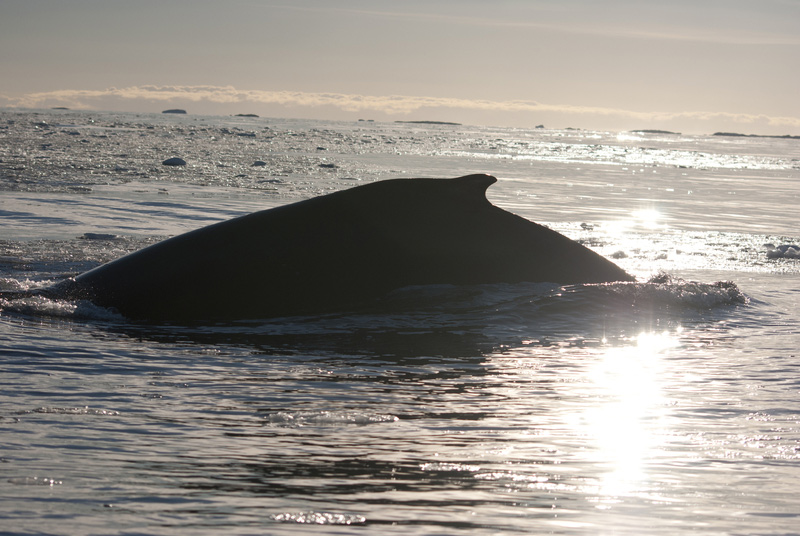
point(692, 66)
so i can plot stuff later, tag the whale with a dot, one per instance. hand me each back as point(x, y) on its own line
point(337, 252)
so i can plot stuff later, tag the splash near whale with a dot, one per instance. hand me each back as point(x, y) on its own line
point(337, 252)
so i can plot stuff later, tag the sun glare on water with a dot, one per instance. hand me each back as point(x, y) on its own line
point(624, 426)
point(647, 219)
point(607, 413)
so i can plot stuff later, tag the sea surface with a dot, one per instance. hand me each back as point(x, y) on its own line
point(667, 406)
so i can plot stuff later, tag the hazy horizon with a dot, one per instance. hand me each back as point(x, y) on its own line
point(692, 67)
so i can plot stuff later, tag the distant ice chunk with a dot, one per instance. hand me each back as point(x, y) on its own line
point(99, 236)
point(784, 251)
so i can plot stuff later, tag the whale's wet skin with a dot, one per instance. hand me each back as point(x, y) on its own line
point(667, 404)
point(336, 252)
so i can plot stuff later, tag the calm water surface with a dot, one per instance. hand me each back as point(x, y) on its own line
point(667, 406)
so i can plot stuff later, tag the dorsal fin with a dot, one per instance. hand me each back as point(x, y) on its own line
point(473, 187)
point(478, 181)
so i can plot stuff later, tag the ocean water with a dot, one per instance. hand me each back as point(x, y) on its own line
point(667, 406)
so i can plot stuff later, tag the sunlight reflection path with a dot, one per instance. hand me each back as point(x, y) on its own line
point(625, 426)
point(598, 419)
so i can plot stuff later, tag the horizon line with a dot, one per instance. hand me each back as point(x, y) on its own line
point(389, 105)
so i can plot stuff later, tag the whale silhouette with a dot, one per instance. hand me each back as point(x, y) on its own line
point(336, 252)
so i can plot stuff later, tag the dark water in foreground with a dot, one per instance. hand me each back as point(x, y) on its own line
point(666, 406)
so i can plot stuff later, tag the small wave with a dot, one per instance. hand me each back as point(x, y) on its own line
point(668, 290)
point(38, 306)
point(450, 467)
point(86, 410)
point(34, 481)
point(319, 518)
point(664, 291)
point(545, 298)
point(10, 285)
point(323, 418)
point(41, 306)
point(29, 298)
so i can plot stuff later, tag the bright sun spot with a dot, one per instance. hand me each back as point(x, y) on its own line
point(647, 218)
point(624, 424)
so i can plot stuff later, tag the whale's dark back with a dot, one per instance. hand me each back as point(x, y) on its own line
point(338, 251)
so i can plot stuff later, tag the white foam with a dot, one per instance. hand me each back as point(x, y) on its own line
point(42, 306)
point(85, 410)
point(450, 467)
point(319, 518)
point(665, 289)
